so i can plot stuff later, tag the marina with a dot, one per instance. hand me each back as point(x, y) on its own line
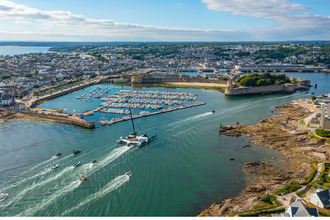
point(117, 104)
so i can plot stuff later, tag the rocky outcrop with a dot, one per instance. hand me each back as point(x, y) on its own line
point(281, 132)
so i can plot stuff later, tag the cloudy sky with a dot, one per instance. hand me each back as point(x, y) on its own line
point(164, 20)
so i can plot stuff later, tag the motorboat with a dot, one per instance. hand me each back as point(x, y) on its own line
point(3, 196)
point(83, 178)
point(55, 166)
point(76, 164)
point(94, 162)
point(213, 111)
point(58, 154)
point(129, 173)
point(75, 152)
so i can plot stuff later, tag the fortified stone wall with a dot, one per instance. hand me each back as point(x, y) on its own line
point(255, 90)
point(135, 79)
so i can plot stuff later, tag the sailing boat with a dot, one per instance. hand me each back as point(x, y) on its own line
point(132, 140)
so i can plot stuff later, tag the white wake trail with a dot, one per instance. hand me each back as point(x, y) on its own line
point(113, 185)
point(47, 201)
point(38, 184)
point(191, 118)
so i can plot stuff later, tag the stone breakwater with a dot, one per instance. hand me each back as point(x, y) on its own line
point(161, 111)
point(34, 101)
point(281, 132)
point(11, 115)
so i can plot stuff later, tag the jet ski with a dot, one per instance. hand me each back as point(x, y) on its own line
point(75, 152)
point(3, 196)
point(76, 164)
point(129, 173)
point(94, 162)
point(83, 178)
point(55, 166)
point(213, 111)
point(58, 154)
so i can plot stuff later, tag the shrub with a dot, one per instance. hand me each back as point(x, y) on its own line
point(291, 187)
point(323, 133)
point(269, 199)
point(309, 178)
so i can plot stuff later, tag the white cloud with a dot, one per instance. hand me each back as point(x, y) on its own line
point(66, 26)
point(256, 8)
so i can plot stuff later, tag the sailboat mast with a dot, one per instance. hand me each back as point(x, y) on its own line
point(130, 112)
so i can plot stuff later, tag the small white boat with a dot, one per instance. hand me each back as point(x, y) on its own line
point(129, 173)
point(76, 164)
point(3, 196)
point(55, 166)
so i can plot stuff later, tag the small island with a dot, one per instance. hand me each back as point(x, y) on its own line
point(264, 83)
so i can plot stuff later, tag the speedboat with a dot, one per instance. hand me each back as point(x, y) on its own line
point(129, 173)
point(3, 196)
point(83, 178)
point(76, 164)
point(75, 152)
point(55, 166)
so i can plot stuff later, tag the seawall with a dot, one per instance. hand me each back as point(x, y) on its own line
point(47, 97)
point(285, 88)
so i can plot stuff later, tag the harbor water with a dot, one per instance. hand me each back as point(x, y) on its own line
point(180, 173)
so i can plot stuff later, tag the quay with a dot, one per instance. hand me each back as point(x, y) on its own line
point(34, 101)
point(161, 111)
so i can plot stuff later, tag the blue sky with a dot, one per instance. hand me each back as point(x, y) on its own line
point(164, 20)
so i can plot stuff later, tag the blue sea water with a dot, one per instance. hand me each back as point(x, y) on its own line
point(180, 173)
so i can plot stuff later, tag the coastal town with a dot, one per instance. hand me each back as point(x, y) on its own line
point(299, 129)
point(24, 77)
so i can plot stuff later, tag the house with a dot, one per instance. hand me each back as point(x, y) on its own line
point(321, 198)
point(298, 209)
point(6, 100)
point(19, 107)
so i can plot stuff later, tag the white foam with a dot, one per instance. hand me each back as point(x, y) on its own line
point(113, 185)
point(49, 200)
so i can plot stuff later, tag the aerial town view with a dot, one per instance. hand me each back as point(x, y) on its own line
point(199, 108)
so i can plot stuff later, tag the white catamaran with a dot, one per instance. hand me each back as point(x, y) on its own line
point(133, 140)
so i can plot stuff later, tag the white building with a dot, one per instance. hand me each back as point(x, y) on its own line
point(6, 100)
point(321, 198)
point(298, 209)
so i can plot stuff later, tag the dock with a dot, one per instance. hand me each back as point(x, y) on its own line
point(161, 111)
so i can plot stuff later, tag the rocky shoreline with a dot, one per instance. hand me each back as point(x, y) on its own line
point(281, 132)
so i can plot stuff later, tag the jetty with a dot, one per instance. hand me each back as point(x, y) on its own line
point(158, 112)
point(36, 100)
